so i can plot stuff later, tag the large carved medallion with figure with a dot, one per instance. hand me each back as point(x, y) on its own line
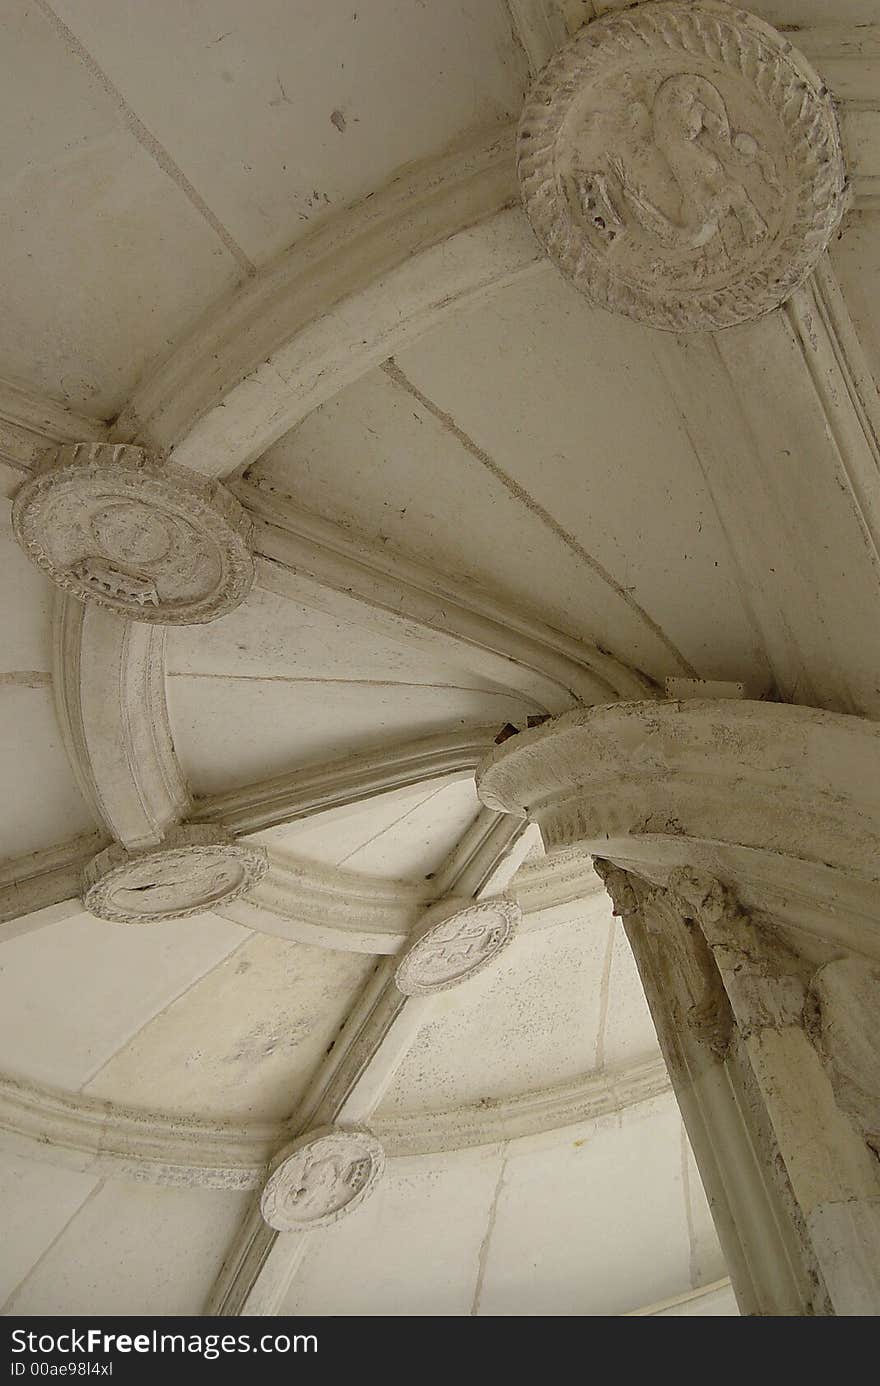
point(456, 939)
point(116, 525)
point(321, 1178)
point(196, 868)
point(682, 164)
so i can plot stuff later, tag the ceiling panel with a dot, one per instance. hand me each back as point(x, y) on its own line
point(75, 992)
point(105, 261)
point(402, 835)
point(242, 1043)
point(529, 1021)
point(594, 1224)
point(266, 727)
point(32, 757)
point(36, 1201)
point(530, 445)
point(25, 614)
point(271, 637)
point(629, 1030)
point(569, 401)
point(136, 1249)
point(856, 259)
point(412, 1249)
point(281, 113)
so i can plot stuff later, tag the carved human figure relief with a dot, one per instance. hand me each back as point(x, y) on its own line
point(456, 940)
point(116, 525)
point(321, 1178)
point(682, 164)
point(196, 868)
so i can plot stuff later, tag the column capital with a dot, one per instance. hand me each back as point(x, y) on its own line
point(775, 800)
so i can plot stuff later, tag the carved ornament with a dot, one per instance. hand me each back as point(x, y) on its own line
point(682, 164)
point(457, 941)
point(197, 868)
point(116, 525)
point(321, 1178)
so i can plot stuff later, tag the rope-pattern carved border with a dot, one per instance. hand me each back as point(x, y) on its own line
point(792, 92)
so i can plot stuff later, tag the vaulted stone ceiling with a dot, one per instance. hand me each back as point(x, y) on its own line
point(285, 245)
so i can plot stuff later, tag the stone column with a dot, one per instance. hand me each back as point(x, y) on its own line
point(739, 844)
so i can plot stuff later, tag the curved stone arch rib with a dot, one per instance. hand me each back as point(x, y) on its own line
point(316, 562)
point(328, 907)
point(342, 300)
point(109, 681)
point(334, 908)
point(376, 276)
point(350, 780)
point(92, 1136)
point(42, 888)
point(29, 422)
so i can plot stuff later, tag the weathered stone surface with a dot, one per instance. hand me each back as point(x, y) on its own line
point(321, 1178)
point(457, 940)
point(682, 164)
point(197, 868)
point(116, 525)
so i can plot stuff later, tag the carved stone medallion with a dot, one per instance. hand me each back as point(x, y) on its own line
point(195, 869)
point(116, 525)
point(321, 1178)
point(457, 940)
point(681, 162)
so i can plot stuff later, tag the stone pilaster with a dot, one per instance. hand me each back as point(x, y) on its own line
point(739, 844)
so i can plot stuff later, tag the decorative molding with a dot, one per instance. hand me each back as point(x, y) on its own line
point(29, 422)
point(257, 1269)
point(42, 888)
point(440, 236)
point(329, 907)
point(783, 462)
point(339, 302)
point(109, 683)
point(696, 1008)
point(350, 780)
point(847, 55)
point(197, 868)
point(540, 28)
point(345, 1091)
point(772, 989)
point(456, 939)
point(115, 525)
point(736, 1150)
point(555, 882)
point(74, 1131)
point(361, 1064)
point(488, 853)
point(320, 1178)
point(725, 105)
point(846, 996)
point(675, 1307)
point(326, 906)
point(118, 1142)
point(764, 980)
point(808, 1146)
point(321, 564)
point(504, 1119)
point(844, 388)
point(780, 799)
